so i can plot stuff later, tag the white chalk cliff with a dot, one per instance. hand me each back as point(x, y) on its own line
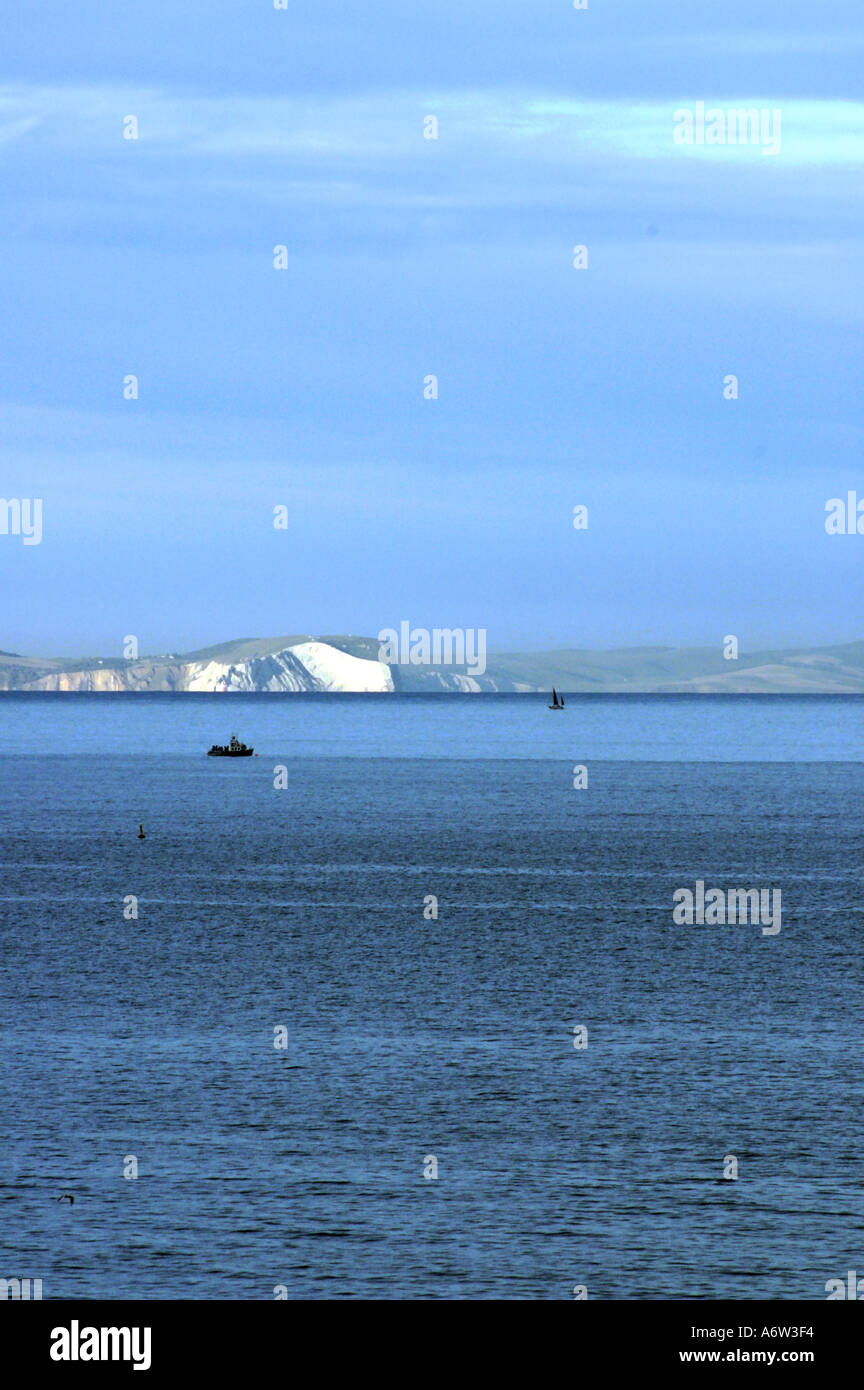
point(308, 665)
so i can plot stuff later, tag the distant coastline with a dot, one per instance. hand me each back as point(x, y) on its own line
point(351, 664)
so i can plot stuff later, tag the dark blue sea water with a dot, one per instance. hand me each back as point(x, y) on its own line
point(303, 908)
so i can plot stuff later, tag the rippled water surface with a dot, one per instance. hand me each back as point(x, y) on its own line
point(303, 907)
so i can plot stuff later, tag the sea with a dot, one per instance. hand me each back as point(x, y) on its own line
point(398, 1008)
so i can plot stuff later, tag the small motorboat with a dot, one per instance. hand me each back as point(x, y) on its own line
point(557, 700)
point(234, 749)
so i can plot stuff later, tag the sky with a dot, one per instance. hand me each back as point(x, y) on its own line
point(407, 257)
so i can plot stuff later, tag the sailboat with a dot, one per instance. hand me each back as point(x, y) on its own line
point(557, 700)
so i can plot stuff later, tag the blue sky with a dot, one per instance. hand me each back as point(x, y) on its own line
point(407, 257)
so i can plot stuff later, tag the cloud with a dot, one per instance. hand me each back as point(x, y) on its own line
point(381, 131)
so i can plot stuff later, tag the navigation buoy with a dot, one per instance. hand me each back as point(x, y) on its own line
point(141, 835)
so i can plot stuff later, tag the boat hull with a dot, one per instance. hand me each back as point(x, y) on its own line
point(242, 753)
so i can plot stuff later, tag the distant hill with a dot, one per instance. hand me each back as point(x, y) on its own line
point(302, 662)
point(701, 670)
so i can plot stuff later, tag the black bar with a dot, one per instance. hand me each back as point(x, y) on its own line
point(225, 1338)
